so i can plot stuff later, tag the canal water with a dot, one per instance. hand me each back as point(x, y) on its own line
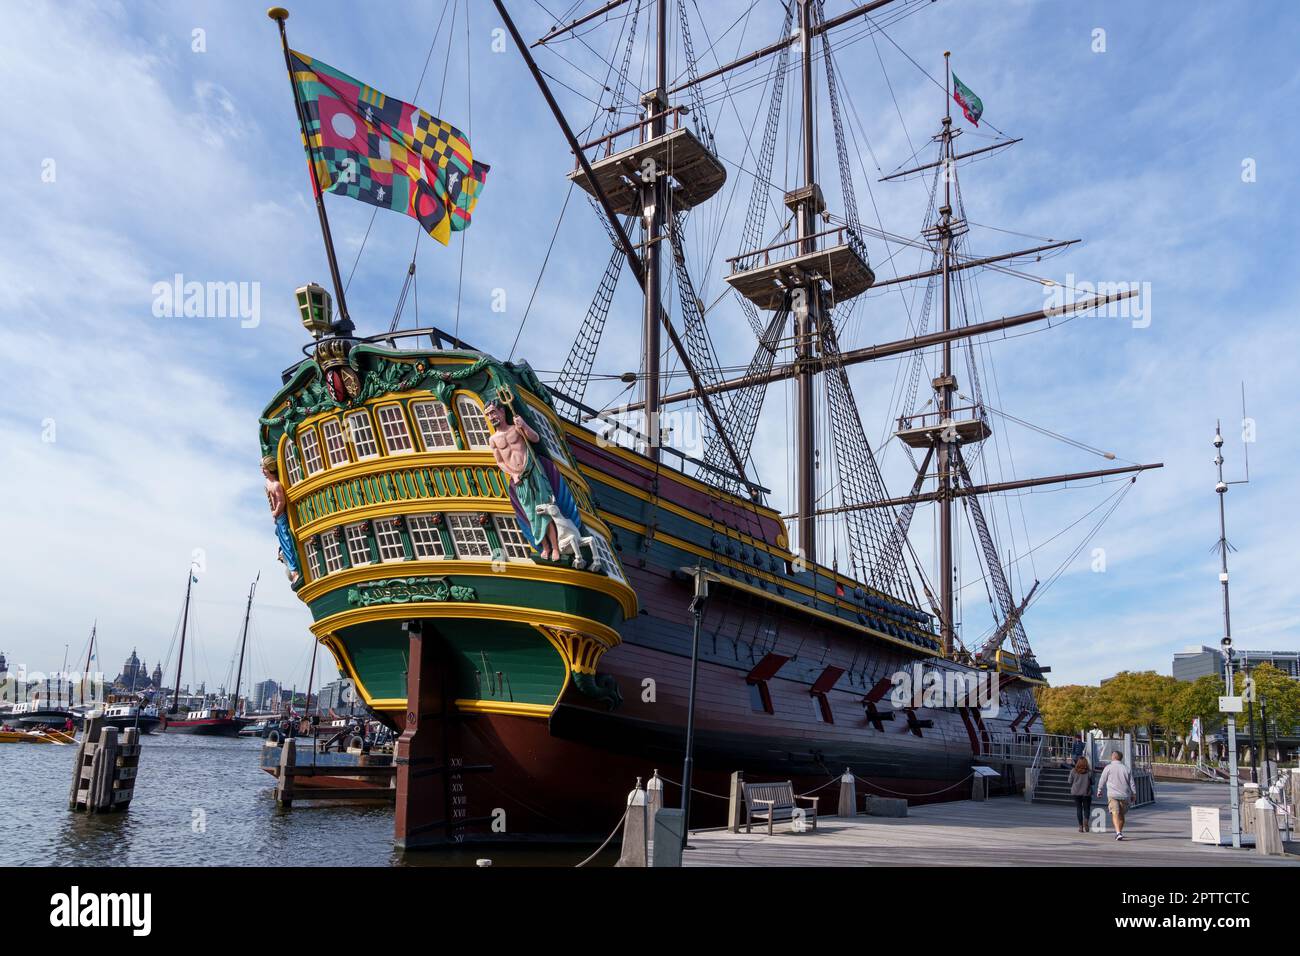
point(203, 801)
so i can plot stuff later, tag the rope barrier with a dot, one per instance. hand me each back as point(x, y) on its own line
point(931, 793)
point(618, 826)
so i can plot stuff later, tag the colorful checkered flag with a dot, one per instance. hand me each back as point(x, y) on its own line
point(385, 152)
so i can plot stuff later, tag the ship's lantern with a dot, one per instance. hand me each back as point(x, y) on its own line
point(314, 308)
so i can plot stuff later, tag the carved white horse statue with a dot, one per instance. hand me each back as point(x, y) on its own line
point(570, 537)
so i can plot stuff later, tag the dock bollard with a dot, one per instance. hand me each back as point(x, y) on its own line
point(1249, 800)
point(848, 794)
point(654, 802)
point(635, 836)
point(1268, 841)
point(735, 798)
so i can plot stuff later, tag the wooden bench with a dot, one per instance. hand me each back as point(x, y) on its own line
point(776, 801)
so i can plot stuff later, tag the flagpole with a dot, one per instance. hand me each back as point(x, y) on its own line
point(344, 325)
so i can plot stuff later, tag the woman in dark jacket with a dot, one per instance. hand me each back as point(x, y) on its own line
point(1081, 790)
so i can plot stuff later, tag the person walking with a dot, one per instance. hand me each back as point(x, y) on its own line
point(1117, 781)
point(1081, 790)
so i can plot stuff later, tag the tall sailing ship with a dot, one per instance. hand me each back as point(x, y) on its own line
point(516, 580)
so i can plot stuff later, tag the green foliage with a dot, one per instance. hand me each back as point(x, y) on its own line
point(1066, 709)
point(1199, 698)
point(1279, 693)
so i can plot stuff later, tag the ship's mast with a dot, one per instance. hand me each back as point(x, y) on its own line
point(243, 642)
point(185, 620)
point(806, 310)
point(946, 385)
point(90, 650)
point(653, 201)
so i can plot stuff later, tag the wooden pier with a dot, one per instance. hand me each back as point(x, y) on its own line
point(340, 778)
point(1004, 831)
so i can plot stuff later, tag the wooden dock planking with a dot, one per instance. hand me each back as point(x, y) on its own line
point(1004, 831)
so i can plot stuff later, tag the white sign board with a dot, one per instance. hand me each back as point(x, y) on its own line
point(985, 772)
point(1205, 825)
point(1230, 705)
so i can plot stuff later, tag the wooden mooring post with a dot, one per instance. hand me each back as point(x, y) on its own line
point(103, 778)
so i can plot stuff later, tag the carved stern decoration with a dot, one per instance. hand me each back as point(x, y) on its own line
point(435, 490)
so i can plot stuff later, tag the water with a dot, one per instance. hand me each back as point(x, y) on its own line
point(203, 801)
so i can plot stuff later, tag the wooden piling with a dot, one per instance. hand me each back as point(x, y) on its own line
point(284, 782)
point(103, 778)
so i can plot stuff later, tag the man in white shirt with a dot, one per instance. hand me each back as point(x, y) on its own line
point(1117, 781)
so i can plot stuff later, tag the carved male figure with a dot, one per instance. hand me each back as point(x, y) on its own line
point(512, 451)
point(279, 503)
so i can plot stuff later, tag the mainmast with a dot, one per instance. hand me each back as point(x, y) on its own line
point(185, 620)
point(243, 642)
point(653, 202)
point(90, 651)
point(806, 307)
point(946, 384)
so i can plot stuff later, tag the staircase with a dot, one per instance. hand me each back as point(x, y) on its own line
point(1054, 785)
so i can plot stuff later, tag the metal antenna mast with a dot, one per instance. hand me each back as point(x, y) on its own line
point(1221, 488)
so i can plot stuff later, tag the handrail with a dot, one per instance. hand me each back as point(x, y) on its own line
point(676, 112)
point(854, 242)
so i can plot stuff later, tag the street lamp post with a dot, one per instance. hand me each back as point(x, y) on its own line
point(697, 612)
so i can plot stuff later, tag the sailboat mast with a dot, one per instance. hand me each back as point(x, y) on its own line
point(653, 201)
point(945, 385)
point(806, 309)
point(243, 642)
point(90, 650)
point(185, 620)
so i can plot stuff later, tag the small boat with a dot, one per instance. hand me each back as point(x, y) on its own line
point(210, 721)
point(37, 736)
point(38, 713)
point(124, 715)
point(258, 728)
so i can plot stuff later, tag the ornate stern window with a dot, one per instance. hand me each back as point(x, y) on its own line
point(358, 543)
point(336, 449)
point(549, 438)
point(361, 435)
point(477, 431)
point(389, 538)
point(469, 536)
point(312, 566)
point(329, 541)
point(293, 470)
point(605, 554)
point(392, 422)
point(426, 540)
point(434, 424)
point(311, 458)
point(514, 545)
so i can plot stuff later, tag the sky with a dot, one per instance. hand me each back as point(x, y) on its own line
point(152, 140)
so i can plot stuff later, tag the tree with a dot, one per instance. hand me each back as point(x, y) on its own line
point(1066, 709)
point(1199, 698)
point(1133, 699)
point(1279, 693)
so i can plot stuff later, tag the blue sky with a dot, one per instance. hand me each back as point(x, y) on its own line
point(130, 440)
